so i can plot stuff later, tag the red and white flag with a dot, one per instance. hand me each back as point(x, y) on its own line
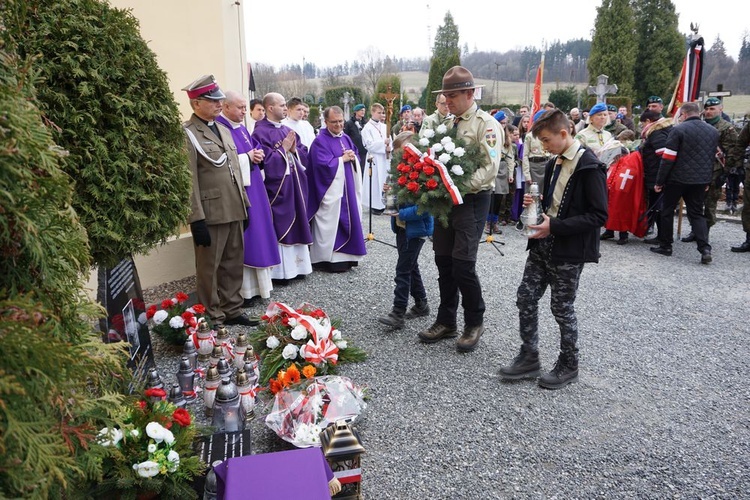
point(691, 75)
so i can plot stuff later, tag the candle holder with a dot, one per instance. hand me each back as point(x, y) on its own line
point(216, 354)
point(225, 370)
point(250, 358)
point(342, 448)
point(176, 397)
point(209, 389)
point(191, 352)
point(186, 378)
point(204, 338)
point(240, 347)
point(246, 388)
point(228, 414)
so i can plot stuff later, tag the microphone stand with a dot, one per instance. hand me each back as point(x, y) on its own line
point(370, 235)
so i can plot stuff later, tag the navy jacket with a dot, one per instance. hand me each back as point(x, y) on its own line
point(417, 226)
point(689, 153)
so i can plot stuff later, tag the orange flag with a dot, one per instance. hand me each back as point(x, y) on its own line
point(536, 100)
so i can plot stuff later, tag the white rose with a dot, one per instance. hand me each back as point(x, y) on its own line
point(459, 152)
point(160, 316)
point(142, 319)
point(272, 342)
point(424, 141)
point(151, 448)
point(299, 332)
point(109, 437)
point(441, 129)
point(445, 157)
point(149, 468)
point(450, 147)
point(168, 437)
point(341, 344)
point(174, 460)
point(336, 334)
point(457, 170)
point(446, 140)
point(427, 133)
point(177, 322)
point(135, 433)
point(155, 431)
point(437, 147)
point(289, 352)
point(293, 322)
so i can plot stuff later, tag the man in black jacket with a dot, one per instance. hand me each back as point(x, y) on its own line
point(353, 128)
point(575, 203)
point(656, 129)
point(686, 171)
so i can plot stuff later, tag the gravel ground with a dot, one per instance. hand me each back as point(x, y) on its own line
point(660, 409)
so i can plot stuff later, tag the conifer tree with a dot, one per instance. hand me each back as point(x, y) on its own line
point(661, 49)
point(613, 47)
point(445, 55)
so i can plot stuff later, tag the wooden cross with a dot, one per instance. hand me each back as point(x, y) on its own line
point(389, 97)
point(602, 89)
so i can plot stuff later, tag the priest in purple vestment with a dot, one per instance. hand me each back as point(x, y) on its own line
point(285, 158)
point(334, 185)
point(261, 247)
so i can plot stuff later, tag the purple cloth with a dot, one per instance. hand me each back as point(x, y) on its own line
point(286, 193)
point(261, 247)
point(325, 152)
point(302, 473)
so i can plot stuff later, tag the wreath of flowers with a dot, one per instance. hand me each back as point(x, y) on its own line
point(289, 341)
point(434, 173)
point(173, 320)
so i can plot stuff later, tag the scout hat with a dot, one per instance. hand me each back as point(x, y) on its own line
point(599, 107)
point(205, 87)
point(712, 101)
point(358, 107)
point(457, 78)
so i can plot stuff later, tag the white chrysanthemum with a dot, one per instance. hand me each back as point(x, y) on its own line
point(446, 140)
point(135, 433)
point(336, 334)
point(457, 170)
point(441, 129)
point(437, 147)
point(424, 141)
point(289, 352)
point(149, 468)
point(155, 431)
point(109, 437)
point(160, 316)
point(177, 322)
point(272, 342)
point(459, 152)
point(450, 147)
point(174, 460)
point(445, 158)
point(151, 448)
point(341, 344)
point(428, 133)
point(299, 332)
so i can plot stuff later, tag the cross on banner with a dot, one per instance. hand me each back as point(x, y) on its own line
point(625, 178)
point(601, 89)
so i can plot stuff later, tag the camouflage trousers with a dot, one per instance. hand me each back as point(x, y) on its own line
point(712, 199)
point(563, 282)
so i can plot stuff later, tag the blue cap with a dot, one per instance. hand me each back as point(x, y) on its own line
point(538, 114)
point(500, 116)
point(405, 107)
point(599, 107)
point(620, 116)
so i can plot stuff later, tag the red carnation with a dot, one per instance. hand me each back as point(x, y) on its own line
point(402, 180)
point(199, 308)
point(413, 186)
point(414, 176)
point(155, 393)
point(166, 303)
point(150, 312)
point(187, 316)
point(142, 404)
point(139, 305)
point(181, 297)
point(428, 170)
point(264, 317)
point(181, 416)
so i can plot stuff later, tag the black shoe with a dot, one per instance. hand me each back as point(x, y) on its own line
point(562, 374)
point(242, 320)
point(418, 310)
point(470, 338)
point(249, 302)
point(706, 256)
point(623, 241)
point(436, 333)
point(652, 241)
point(394, 319)
point(526, 364)
point(607, 235)
point(377, 211)
point(689, 238)
point(744, 247)
point(662, 250)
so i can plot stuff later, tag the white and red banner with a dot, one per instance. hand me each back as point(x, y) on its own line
point(691, 75)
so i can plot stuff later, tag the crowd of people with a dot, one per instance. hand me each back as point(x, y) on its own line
point(273, 200)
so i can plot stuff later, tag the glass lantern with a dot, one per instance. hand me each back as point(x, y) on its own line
point(228, 414)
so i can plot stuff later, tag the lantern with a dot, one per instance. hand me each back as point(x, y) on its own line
point(209, 389)
point(204, 338)
point(210, 488)
point(176, 397)
point(153, 381)
point(229, 414)
point(186, 378)
point(225, 371)
point(246, 388)
point(216, 355)
point(239, 350)
point(225, 341)
point(342, 448)
point(191, 352)
point(250, 358)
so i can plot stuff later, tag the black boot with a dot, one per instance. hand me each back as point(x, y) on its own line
point(418, 310)
point(394, 319)
point(607, 235)
point(526, 364)
point(744, 247)
point(689, 238)
point(564, 373)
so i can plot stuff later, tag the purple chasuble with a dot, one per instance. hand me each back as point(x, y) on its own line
point(325, 154)
point(286, 183)
point(261, 248)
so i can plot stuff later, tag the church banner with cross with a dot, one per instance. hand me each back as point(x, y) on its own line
point(627, 202)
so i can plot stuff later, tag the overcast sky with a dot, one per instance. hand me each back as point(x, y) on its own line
point(280, 33)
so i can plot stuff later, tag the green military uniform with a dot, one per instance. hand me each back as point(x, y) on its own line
point(727, 142)
point(615, 128)
point(743, 141)
point(534, 160)
point(434, 120)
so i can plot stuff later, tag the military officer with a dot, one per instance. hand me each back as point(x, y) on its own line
point(218, 206)
point(456, 246)
point(739, 150)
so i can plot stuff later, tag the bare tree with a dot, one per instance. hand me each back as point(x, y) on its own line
point(373, 68)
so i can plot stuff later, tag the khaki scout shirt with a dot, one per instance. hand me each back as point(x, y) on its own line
point(569, 162)
point(592, 138)
point(532, 148)
point(434, 121)
point(478, 126)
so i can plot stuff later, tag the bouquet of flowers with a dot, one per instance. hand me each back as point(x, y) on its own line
point(301, 337)
point(149, 451)
point(301, 412)
point(172, 321)
point(434, 174)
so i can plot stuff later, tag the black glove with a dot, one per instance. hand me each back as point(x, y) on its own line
point(245, 223)
point(201, 236)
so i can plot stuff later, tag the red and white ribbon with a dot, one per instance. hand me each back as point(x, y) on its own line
point(324, 351)
point(445, 176)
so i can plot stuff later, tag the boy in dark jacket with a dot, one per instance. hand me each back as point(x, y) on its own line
point(412, 229)
point(575, 206)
